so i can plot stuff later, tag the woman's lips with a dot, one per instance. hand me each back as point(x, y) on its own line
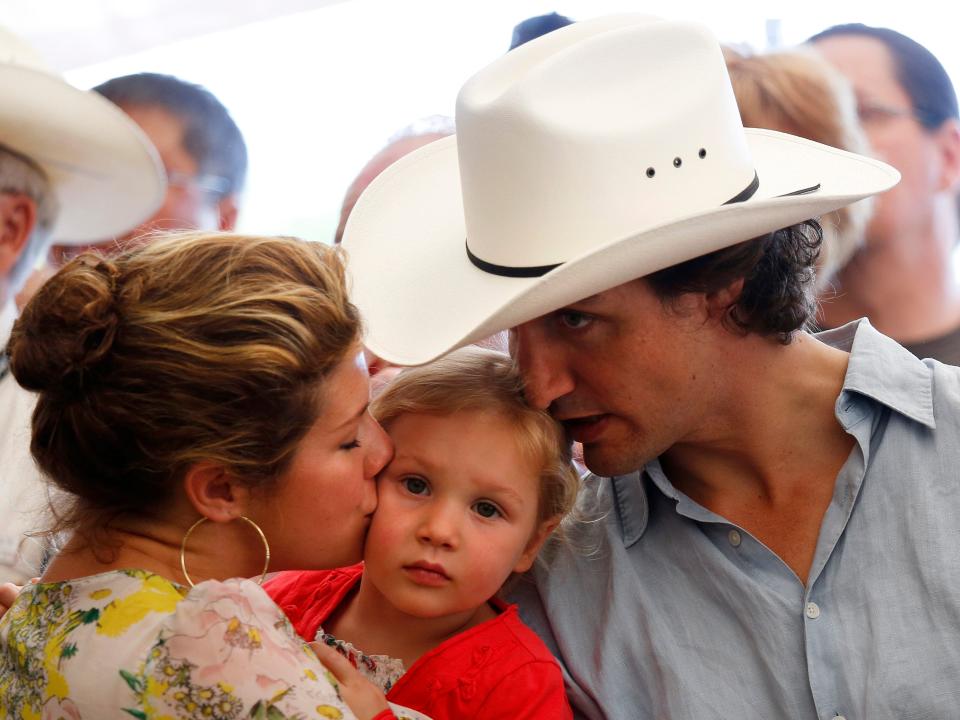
point(429, 574)
point(588, 428)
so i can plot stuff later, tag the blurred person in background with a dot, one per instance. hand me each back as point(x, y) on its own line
point(797, 92)
point(73, 168)
point(533, 27)
point(415, 135)
point(903, 279)
point(200, 145)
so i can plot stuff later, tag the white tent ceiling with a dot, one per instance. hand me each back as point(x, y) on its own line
point(75, 33)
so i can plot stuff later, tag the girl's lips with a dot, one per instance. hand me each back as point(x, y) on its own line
point(427, 574)
point(588, 428)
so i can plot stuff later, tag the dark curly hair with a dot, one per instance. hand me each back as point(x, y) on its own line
point(777, 298)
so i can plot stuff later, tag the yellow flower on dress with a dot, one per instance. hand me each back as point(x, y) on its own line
point(155, 595)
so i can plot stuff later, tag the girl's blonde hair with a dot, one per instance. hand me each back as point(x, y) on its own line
point(193, 347)
point(483, 380)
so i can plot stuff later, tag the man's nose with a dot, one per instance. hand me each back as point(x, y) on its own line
point(546, 376)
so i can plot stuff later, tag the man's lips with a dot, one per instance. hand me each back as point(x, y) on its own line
point(586, 428)
point(425, 573)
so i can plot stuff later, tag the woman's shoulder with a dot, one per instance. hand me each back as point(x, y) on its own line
point(138, 642)
point(230, 643)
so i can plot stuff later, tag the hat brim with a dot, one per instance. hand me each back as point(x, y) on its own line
point(105, 172)
point(420, 296)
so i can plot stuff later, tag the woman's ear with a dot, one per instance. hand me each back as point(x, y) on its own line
point(214, 493)
point(539, 537)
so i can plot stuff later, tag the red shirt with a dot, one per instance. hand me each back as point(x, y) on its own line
point(498, 669)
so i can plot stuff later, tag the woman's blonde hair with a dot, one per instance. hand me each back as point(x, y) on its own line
point(193, 347)
point(797, 92)
point(483, 380)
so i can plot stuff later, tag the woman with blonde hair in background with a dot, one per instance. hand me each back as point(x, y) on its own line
point(797, 92)
point(203, 400)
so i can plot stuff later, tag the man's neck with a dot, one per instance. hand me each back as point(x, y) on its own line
point(908, 287)
point(769, 457)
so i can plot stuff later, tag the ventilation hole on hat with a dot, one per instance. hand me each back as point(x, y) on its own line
point(677, 162)
point(651, 172)
point(702, 153)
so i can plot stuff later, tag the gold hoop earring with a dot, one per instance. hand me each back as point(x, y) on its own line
point(183, 548)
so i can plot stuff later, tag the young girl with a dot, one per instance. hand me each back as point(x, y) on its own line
point(478, 482)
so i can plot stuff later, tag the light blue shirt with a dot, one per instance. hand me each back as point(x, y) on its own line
point(659, 608)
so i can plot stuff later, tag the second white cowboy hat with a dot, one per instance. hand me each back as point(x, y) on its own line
point(596, 154)
point(104, 171)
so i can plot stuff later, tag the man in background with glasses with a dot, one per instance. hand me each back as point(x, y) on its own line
point(201, 148)
point(205, 158)
point(903, 279)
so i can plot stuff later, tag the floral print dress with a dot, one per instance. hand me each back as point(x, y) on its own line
point(131, 644)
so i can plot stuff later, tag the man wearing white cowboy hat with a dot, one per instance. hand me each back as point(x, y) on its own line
point(776, 533)
point(72, 167)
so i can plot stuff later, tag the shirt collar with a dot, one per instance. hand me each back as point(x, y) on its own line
point(884, 371)
point(879, 368)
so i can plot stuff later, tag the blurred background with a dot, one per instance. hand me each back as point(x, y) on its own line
point(318, 86)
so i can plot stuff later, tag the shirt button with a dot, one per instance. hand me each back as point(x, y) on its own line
point(734, 537)
point(813, 612)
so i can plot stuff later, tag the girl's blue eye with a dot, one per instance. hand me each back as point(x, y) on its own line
point(574, 320)
point(486, 509)
point(415, 485)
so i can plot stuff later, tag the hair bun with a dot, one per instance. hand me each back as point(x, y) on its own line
point(67, 330)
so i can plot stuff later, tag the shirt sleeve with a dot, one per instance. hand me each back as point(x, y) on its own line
point(228, 651)
point(531, 692)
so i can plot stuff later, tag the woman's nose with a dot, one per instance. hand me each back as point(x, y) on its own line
point(378, 446)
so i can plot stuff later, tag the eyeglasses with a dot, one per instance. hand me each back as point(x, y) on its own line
point(872, 113)
point(214, 184)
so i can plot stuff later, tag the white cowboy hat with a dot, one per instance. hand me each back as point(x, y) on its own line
point(596, 154)
point(105, 172)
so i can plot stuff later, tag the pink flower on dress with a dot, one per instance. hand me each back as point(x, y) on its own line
point(57, 709)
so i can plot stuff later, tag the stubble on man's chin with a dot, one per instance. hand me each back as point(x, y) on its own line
point(612, 461)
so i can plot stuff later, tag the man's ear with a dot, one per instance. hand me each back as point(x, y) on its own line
point(720, 301)
point(227, 210)
point(948, 138)
point(539, 537)
point(214, 493)
point(18, 216)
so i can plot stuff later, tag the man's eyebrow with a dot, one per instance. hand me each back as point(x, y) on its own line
point(592, 300)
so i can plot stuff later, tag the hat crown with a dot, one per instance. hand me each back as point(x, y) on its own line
point(597, 131)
